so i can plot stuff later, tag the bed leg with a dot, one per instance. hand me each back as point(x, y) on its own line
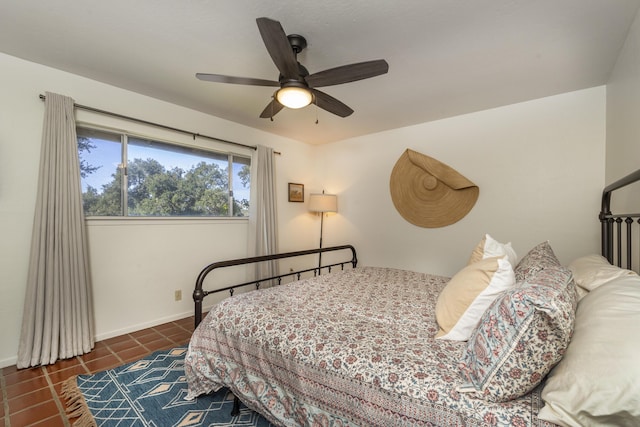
point(236, 406)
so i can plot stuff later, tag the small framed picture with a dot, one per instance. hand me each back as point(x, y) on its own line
point(296, 192)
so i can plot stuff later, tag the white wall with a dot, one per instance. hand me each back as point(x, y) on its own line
point(136, 264)
point(623, 113)
point(623, 109)
point(539, 166)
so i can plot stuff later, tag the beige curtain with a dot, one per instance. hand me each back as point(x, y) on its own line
point(58, 312)
point(263, 218)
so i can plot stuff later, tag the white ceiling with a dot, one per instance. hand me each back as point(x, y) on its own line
point(446, 57)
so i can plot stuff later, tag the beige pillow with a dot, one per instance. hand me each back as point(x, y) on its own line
point(592, 271)
point(490, 247)
point(466, 297)
point(597, 382)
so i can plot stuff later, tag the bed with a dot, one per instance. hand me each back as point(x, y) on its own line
point(505, 341)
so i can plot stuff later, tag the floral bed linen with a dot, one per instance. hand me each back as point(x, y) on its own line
point(353, 347)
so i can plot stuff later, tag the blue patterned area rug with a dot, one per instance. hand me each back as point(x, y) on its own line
point(150, 392)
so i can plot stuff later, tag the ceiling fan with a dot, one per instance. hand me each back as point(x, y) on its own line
point(297, 86)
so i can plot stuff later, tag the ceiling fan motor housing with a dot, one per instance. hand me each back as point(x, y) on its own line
point(297, 42)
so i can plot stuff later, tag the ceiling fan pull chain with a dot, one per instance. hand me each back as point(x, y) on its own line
point(316, 103)
point(272, 98)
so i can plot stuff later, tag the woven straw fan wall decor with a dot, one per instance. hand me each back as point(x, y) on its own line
point(428, 193)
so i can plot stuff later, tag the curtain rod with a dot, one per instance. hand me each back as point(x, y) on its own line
point(158, 125)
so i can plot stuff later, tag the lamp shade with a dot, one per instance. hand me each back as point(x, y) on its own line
point(323, 203)
point(294, 96)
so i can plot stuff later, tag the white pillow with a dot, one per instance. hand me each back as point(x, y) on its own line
point(466, 297)
point(592, 271)
point(489, 248)
point(597, 382)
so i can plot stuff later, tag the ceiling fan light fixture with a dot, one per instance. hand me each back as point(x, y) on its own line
point(294, 96)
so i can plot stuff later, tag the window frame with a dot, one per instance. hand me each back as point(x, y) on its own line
point(125, 134)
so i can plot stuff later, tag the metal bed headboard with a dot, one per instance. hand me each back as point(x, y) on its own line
point(199, 293)
point(613, 236)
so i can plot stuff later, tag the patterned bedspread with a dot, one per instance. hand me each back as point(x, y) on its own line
point(354, 347)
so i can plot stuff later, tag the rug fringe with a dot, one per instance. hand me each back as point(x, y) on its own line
point(76, 405)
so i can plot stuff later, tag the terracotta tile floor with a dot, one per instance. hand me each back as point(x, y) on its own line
point(31, 397)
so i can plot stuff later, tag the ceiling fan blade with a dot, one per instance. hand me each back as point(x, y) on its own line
point(332, 105)
point(348, 73)
point(218, 78)
point(278, 47)
point(271, 109)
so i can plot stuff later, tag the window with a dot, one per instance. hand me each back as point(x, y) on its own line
point(159, 179)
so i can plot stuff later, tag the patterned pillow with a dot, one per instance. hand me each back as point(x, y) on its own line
point(538, 258)
point(521, 336)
